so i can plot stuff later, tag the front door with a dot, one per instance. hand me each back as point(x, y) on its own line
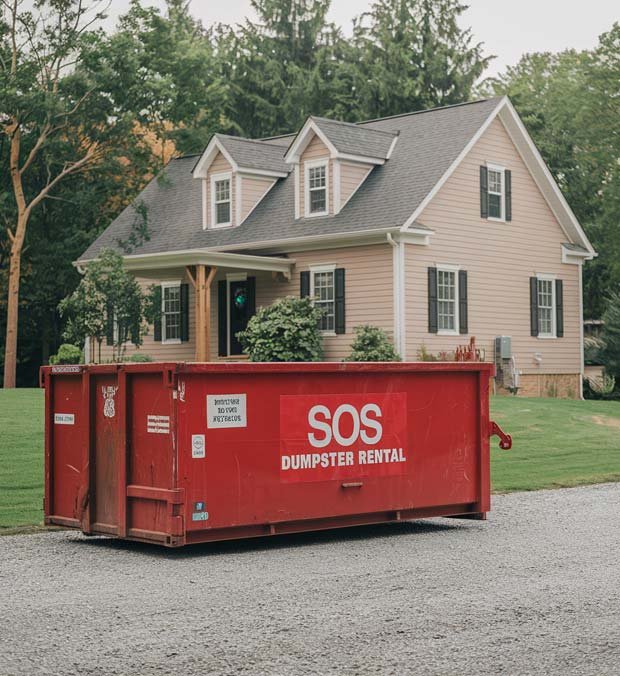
point(240, 305)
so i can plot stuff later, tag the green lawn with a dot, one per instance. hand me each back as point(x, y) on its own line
point(556, 443)
point(21, 457)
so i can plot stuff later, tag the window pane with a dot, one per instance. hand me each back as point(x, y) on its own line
point(324, 299)
point(222, 212)
point(495, 206)
point(545, 307)
point(317, 200)
point(316, 177)
point(446, 300)
point(222, 190)
point(495, 181)
point(172, 312)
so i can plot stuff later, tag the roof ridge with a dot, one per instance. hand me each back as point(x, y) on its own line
point(184, 156)
point(248, 140)
point(429, 110)
point(351, 124)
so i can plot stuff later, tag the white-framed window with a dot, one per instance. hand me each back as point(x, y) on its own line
point(546, 306)
point(447, 299)
point(221, 200)
point(322, 290)
point(496, 191)
point(316, 187)
point(171, 312)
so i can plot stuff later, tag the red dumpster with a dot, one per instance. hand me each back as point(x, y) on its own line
point(178, 453)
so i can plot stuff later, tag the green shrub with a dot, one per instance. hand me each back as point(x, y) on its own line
point(139, 358)
point(67, 354)
point(288, 330)
point(372, 344)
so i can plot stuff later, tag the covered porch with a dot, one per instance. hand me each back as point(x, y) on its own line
point(223, 290)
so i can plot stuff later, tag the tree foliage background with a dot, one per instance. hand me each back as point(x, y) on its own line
point(179, 81)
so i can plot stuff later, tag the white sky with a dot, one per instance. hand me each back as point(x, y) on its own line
point(507, 29)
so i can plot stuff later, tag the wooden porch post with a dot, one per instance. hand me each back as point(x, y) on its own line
point(200, 314)
point(202, 287)
point(207, 306)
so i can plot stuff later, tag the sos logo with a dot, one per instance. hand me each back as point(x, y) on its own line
point(346, 426)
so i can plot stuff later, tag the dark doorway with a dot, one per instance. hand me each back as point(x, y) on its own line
point(237, 305)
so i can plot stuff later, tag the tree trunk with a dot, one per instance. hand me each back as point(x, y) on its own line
point(10, 346)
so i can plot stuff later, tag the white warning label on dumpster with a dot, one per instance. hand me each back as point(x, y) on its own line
point(64, 419)
point(226, 410)
point(158, 424)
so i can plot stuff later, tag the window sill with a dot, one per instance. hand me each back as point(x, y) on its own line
point(497, 220)
point(546, 337)
point(171, 341)
point(220, 225)
point(316, 213)
point(445, 332)
point(328, 333)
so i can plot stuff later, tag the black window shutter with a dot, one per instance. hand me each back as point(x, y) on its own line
point(559, 308)
point(484, 192)
point(534, 306)
point(432, 300)
point(251, 287)
point(109, 327)
point(508, 194)
point(184, 313)
point(157, 319)
point(222, 319)
point(304, 284)
point(339, 297)
point(463, 319)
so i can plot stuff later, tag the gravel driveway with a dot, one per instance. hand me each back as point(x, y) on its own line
point(534, 590)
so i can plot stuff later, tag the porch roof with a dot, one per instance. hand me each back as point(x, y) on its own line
point(176, 259)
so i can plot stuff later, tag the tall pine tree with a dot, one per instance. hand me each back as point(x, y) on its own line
point(414, 55)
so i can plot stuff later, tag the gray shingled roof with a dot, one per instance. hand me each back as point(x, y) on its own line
point(428, 143)
point(250, 154)
point(354, 139)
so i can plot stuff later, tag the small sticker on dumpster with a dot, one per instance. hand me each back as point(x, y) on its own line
point(342, 436)
point(158, 424)
point(198, 445)
point(226, 410)
point(200, 516)
point(64, 419)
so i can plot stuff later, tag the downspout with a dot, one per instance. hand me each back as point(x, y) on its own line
point(398, 292)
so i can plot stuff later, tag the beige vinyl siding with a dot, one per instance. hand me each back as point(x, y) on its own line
point(220, 165)
point(252, 191)
point(351, 177)
point(499, 258)
point(157, 350)
point(368, 289)
point(315, 150)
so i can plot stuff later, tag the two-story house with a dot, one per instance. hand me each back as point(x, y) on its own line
point(436, 226)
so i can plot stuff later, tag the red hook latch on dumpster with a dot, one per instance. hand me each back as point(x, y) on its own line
point(505, 440)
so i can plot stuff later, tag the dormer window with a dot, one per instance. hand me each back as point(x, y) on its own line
point(220, 198)
point(316, 188)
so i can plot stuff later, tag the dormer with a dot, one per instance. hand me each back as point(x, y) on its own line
point(331, 160)
point(236, 174)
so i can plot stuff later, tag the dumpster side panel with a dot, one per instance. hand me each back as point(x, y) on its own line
point(151, 456)
point(105, 439)
point(64, 463)
point(232, 467)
